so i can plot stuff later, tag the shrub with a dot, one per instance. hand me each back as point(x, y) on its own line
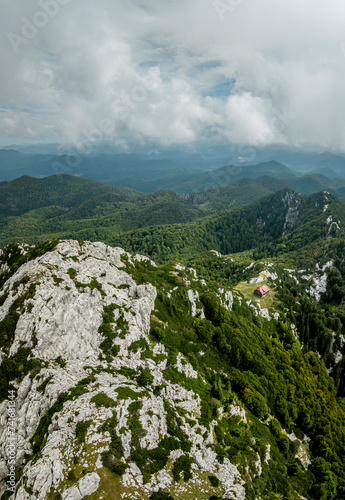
point(102, 399)
point(127, 372)
point(72, 273)
point(30, 307)
point(161, 495)
point(9, 323)
point(158, 333)
point(56, 496)
point(145, 377)
point(38, 438)
point(138, 344)
point(94, 284)
point(81, 430)
point(119, 468)
point(23, 281)
point(112, 458)
point(8, 326)
point(204, 329)
point(16, 367)
point(57, 280)
point(3, 298)
point(41, 388)
point(71, 476)
point(106, 329)
point(60, 361)
point(125, 392)
point(182, 465)
point(174, 428)
point(214, 481)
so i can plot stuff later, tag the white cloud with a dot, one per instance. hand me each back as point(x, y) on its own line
point(141, 70)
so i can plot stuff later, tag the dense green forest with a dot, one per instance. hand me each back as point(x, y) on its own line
point(34, 210)
point(284, 221)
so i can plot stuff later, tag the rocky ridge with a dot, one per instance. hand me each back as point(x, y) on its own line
point(100, 395)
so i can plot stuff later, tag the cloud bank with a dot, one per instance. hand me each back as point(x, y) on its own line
point(238, 71)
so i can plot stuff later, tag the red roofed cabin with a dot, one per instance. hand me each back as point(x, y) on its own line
point(261, 291)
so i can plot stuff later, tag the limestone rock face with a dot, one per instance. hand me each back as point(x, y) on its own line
point(86, 486)
point(99, 392)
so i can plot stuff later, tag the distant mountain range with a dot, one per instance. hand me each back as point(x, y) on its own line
point(326, 163)
point(146, 173)
point(181, 171)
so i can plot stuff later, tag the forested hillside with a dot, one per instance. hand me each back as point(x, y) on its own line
point(33, 210)
point(285, 220)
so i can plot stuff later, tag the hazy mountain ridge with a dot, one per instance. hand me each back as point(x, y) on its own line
point(179, 170)
point(145, 172)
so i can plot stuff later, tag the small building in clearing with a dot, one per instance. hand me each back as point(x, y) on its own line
point(261, 291)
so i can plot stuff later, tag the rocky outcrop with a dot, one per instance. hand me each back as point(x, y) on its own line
point(99, 395)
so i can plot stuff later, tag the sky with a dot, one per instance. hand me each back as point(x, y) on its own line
point(256, 72)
